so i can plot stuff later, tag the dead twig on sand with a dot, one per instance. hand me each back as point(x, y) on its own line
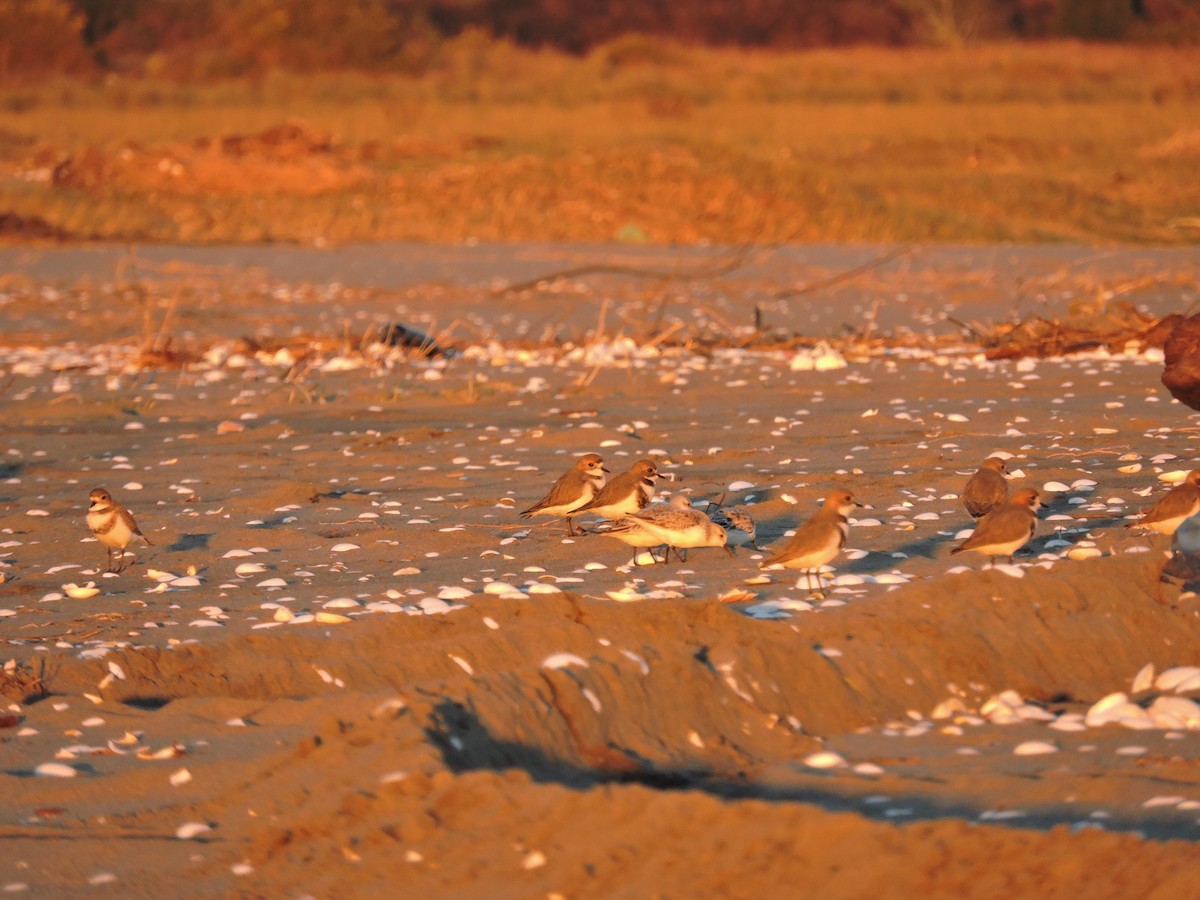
point(848, 275)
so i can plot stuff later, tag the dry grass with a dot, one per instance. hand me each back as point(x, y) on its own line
point(638, 141)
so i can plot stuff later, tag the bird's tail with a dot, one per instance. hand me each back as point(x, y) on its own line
point(956, 550)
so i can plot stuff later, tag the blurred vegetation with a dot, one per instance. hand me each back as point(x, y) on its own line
point(198, 40)
point(273, 121)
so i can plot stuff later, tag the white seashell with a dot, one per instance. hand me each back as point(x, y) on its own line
point(283, 614)
point(1065, 724)
point(455, 593)
point(1174, 477)
point(236, 553)
point(189, 830)
point(1080, 553)
point(271, 583)
point(499, 587)
point(534, 859)
point(741, 486)
point(116, 670)
point(55, 770)
point(1162, 801)
point(1130, 469)
point(342, 603)
point(1011, 571)
point(563, 660)
point(180, 776)
point(245, 569)
point(1144, 679)
point(541, 588)
point(625, 595)
point(1184, 711)
point(186, 581)
point(343, 548)
point(868, 769)
point(1170, 679)
point(824, 759)
point(1034, 748)
point(1188, 686)
point(81, 592)
point(463, 664)
point(1055, 487)
point(1100, 710)
point(328, 618)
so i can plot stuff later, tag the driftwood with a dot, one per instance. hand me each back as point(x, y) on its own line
point(1088, 326)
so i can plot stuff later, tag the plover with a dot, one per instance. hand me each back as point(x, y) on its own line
point(986, 489)
point(739, 525)
point(628, 493)
point(113, 525)
point(576, 487)
point(675, 524)
point(1177, 504)
point(819, 539)
point(1006, 529)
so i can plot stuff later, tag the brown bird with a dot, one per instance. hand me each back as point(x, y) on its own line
point(1006, 529)
point(986, 489)
point(819, 539)
point(114, 527)
point(575, 487)
point(627, 493)
point(1173, 507)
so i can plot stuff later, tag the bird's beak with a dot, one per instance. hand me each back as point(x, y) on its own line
point(605, 469)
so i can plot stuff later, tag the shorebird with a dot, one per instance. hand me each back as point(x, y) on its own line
point(986, 489)
point(628, 493)
point(574, 488)
point(1177, 504)
point(1184, 562)
point(113, 525)
point(675, 524)
point(818, 540)
point(739, 525)
point(1006, 529)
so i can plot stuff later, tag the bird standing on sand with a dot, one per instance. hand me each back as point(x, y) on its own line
point(1006, 529)
point(113, 525)
point(818, 540)
point(739, 525)
point(986, 489)
point(628, 493)
point(574, 488)
point(675, 524)
point(1177, 504)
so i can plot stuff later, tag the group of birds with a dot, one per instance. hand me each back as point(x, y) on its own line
point(1004, 523)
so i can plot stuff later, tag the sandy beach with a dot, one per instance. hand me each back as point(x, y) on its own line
point(348, 667)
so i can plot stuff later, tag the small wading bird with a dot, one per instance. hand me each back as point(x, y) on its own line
point(1177, 504)
point(574, 488)
point(739, 525)
point(628, 493)
point(986, 489)
point(1006, 529)
point(114, 526)
point(818, 540)
point(675, 524)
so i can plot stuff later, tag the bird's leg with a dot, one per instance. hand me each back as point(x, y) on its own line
point(729, 550)
point(570, 527)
